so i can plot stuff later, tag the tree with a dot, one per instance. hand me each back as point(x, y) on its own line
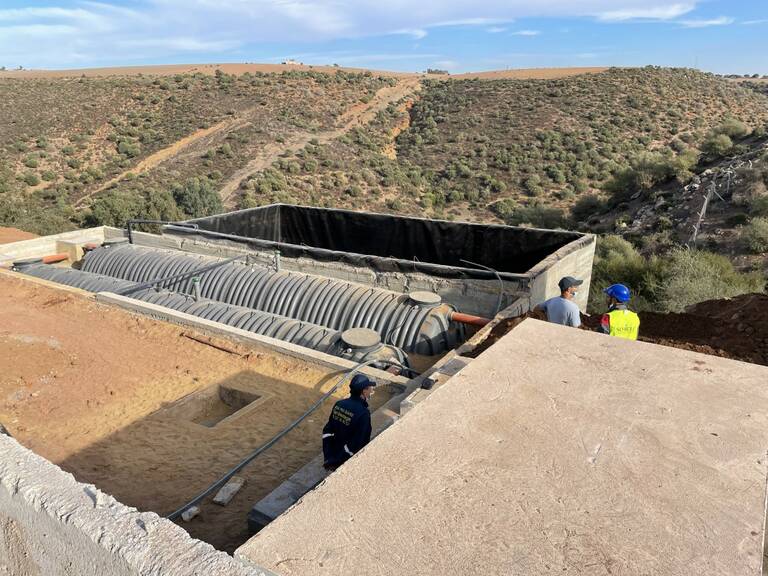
point(196, 197)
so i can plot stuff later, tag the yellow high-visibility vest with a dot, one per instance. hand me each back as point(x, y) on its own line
point(624, 324)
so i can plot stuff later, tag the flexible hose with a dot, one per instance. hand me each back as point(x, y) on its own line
point(264, 447)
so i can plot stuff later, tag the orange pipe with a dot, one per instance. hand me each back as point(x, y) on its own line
point(469, 319)
point(53, 258)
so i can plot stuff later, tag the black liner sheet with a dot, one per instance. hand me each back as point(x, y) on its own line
point(388, 243)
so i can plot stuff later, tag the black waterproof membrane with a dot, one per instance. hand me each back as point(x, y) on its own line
point(385, 242)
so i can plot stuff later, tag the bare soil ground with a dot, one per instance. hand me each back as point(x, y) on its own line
point(8, 235)
point(88, 386)
point(735, 328)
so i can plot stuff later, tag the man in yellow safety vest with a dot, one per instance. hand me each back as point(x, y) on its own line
point(619, 321)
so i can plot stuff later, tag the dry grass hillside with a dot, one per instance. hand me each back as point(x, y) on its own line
point(544, 151)
point(521, 150)
point(67, 142)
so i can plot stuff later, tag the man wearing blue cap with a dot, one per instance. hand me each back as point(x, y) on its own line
point(349, 426)
point(562, 309)
point(619, 321)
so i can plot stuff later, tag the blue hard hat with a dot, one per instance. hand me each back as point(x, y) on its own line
point(619, 292)
point(360, 382)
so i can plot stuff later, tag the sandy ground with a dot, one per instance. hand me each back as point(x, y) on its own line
point(91, 387)
point(8, 235)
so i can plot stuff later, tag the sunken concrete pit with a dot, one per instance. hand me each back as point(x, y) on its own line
point(151, 404)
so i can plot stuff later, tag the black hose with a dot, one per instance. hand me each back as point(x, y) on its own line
point(264, 447)
point(196, 271)
point(498, 277)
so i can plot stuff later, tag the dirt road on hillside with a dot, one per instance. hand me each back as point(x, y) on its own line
point(357, 115)
point(202, 136)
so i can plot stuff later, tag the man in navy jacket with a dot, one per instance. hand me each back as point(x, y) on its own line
point(349, 426)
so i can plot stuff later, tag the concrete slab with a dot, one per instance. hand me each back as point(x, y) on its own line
point(557, 451)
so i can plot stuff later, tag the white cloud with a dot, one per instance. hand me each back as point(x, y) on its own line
point(658, 12)
point(754, 22)
point(525, 33)
point(495, 29)
point(417, 33)
point(107, 32)
point(721, 21)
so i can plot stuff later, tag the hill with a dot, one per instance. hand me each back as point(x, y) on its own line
point(508, 149)
point(66, 140)
point(545, 151)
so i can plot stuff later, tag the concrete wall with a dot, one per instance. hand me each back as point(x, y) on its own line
point(52, 525)
point(47, 244)
point(572, 260)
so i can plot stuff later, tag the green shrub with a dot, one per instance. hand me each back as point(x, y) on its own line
point(733, 128)
point(587, 206)
point(755, 235)
point(32, 179)
point(31, 162)
point(537, 216)
point(717, 145)
point(617, 261)
point(693, 276)
point(759, 206)
point(197, 197)
point(128, 148)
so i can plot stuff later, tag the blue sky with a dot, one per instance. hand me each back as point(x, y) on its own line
point(410, 35)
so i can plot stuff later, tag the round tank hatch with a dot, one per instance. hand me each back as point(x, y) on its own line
point(358, 338)
point(425, 298)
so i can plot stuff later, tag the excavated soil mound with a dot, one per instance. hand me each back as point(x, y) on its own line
point(734, 328)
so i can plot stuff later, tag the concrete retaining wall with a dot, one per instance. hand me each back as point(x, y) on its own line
point(48, 244)
point(575, 259)
point(52, 525)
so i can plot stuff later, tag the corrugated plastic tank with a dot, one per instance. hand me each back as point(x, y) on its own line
point(417, 323)
point(350, 345)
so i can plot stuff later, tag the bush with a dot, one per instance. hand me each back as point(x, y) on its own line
point(717, 145)
point(755, 235)
point(30, 162)
point(197, 197)
point(733, 128)
point(693, 276)
point(537, 216)
point(586, 207)
point(669, 283)
point(759, 206)
point(32, 179)
point(128, 148)
point(617, 261)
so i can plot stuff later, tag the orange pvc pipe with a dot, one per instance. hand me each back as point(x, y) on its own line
point(53, 258)
point(469, 319)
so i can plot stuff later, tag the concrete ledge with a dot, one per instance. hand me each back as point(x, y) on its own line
point(52, 525)
point(47, 244)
